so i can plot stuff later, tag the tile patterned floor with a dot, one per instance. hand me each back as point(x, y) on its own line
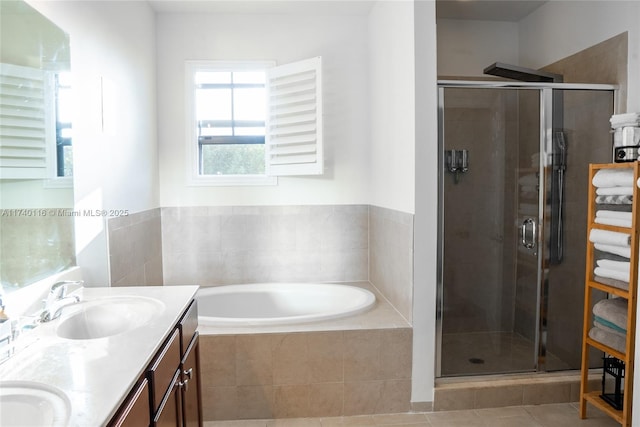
point(553, 415)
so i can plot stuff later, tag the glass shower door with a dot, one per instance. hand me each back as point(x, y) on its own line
point(491, 139)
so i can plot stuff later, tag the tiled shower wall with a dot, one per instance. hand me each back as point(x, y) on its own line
point(135, 249)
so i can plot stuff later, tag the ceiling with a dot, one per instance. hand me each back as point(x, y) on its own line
point(331, 7)
point(485, 10)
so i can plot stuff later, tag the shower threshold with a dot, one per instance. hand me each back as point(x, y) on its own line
point(501, 390)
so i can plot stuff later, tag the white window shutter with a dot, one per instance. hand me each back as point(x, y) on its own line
point(293, 141)
point(23, 147)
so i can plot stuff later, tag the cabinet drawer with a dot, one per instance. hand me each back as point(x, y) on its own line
point(135, 410)
point(163, 369)
point(188, 325)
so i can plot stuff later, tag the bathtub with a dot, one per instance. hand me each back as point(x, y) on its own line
point(280, 303)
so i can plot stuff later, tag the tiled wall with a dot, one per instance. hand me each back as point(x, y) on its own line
point(231, 245)
point(391, 256)
point(135, 249)
point(306, 374)
point(35, 243)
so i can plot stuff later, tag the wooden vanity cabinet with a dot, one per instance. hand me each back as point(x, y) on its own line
point(169, 394)
point(175, 376)
point(190, 369)
point(135, 410)
point(191, 388)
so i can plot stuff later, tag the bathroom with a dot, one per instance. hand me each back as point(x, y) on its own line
point(380, 172)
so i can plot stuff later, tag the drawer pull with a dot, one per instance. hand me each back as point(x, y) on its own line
point(188, 373)
point(185, 384)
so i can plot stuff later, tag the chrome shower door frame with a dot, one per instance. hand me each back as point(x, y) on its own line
point(545, 165)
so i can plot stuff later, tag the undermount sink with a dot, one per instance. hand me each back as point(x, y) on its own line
point(105, 317)
point(27, 403)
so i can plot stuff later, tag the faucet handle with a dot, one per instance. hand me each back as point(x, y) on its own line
point(59, 289)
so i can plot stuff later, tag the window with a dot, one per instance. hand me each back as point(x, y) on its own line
point(230, 119)
point(250, 121)
point(63, 114)
point(35, 125)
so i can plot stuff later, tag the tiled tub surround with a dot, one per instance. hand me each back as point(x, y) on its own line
point(34, 246)
point(391, 256)
point(351, 366)
point(234, 245)
point(135, 249)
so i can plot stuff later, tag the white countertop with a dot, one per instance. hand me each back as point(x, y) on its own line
point(97, 374)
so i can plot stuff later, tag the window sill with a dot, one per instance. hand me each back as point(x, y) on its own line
point(231, 180)
point(59, 182)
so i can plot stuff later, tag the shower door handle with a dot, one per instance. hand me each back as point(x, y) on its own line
point(529, 233)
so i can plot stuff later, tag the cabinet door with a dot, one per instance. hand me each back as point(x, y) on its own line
point(169, 414)
point(135, 410)
point(163, 369)
point(191, 385)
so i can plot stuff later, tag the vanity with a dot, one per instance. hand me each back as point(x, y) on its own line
point(124, 356)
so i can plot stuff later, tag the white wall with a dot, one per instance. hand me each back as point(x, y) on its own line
point(115, 141)
point(392, 88)
point(426, 209)
point(561, 28)
point(465, 48)
point(342, 43)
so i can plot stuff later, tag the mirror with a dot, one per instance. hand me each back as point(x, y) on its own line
point(36, 164)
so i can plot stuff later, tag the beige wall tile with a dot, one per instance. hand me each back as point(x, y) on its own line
point(536, 394)
point(291, 401)
point(290, 359)
point(453, 399)
point(362, 355)
point(254, 361)
point(135, 249)
point(255, 402)
point(396, 353)
point(218, 360)
point(219, 403)
point(326, 399)
point(493, 397)
point(395, 398)
point(326, 357)
point(362, 397)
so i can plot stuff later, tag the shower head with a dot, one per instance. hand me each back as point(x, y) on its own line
point(522, 74)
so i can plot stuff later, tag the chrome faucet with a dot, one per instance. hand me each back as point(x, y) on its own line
point(58, 299)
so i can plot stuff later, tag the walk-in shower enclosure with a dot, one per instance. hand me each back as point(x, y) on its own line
point(512, 224)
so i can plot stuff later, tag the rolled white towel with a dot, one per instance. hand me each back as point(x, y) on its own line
point(613, 249)
point(610, 237)
point(612, 191)
point(613, 178)
point(606, 213)
point(611, 274)
point(610, 264)
point(625, 119)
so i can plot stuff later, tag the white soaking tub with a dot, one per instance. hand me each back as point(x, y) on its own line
point(279, 303)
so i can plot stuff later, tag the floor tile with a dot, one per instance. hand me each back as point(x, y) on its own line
point(549, 415)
